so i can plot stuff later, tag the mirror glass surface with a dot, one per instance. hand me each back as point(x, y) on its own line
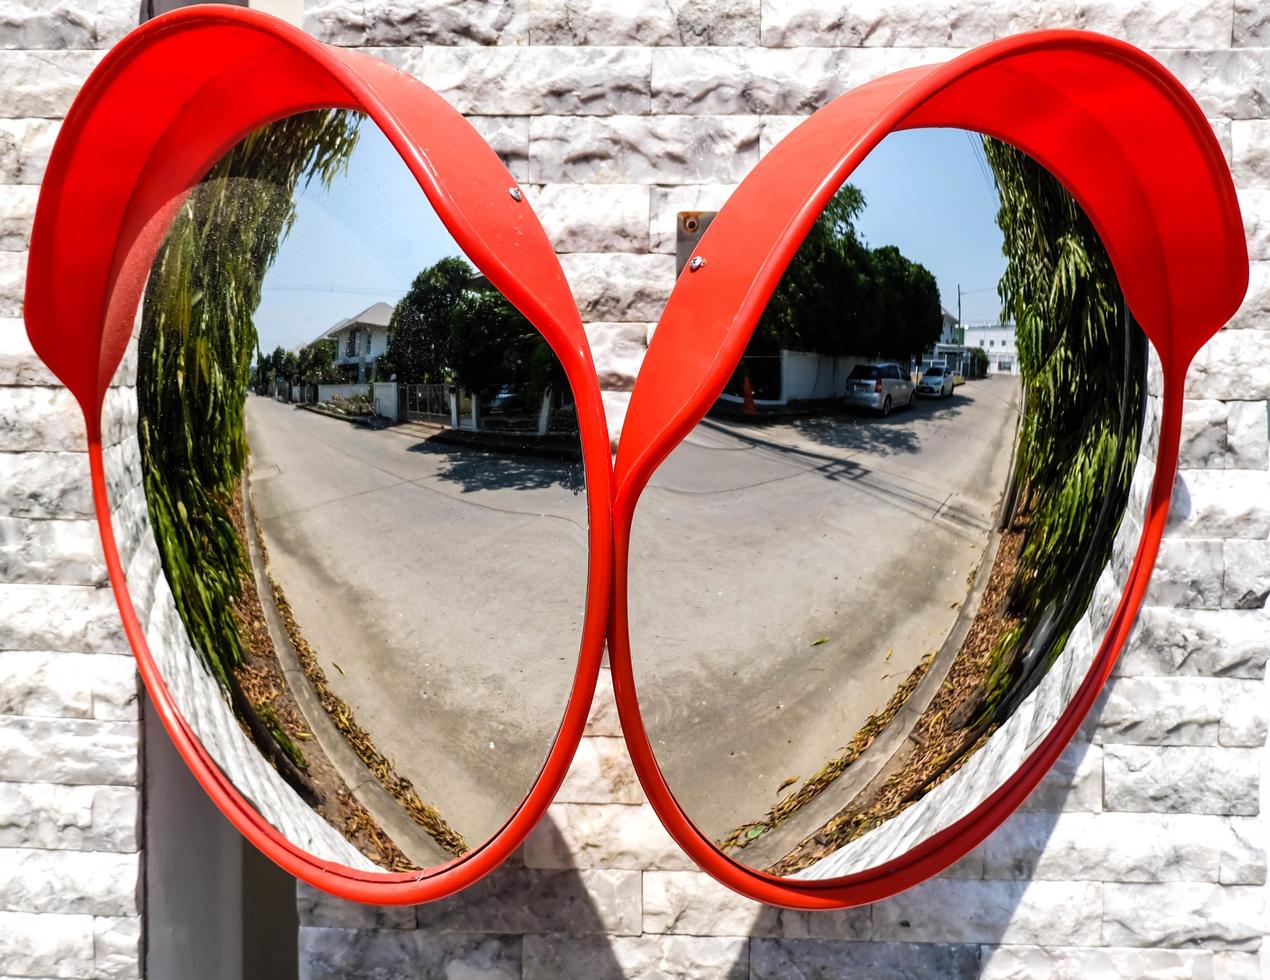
point(905, 514)
point(367, 555)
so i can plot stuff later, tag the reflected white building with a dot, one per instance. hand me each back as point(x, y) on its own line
point(998, 342)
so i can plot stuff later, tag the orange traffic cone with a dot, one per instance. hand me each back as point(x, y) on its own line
point(747, 394)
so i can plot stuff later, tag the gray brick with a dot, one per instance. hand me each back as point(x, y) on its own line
point(812, 959)
point(519, 900)
point(548, 957)
point(395, 954)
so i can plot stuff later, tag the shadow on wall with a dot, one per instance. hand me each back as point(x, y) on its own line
point(600, 891)
point(946, 926)
point(517, 923)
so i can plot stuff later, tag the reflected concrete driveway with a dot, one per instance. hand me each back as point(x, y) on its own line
point(786, 578)
point(442, 588)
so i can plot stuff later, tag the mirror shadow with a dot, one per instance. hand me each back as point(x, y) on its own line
point(363, 478)
point(855, 569)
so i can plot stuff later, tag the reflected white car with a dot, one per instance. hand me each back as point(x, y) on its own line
point(936, 381)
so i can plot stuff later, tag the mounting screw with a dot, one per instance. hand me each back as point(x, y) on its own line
point(697, 263)
point(515, 193)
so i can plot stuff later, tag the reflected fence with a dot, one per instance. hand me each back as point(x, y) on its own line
point(522, 409)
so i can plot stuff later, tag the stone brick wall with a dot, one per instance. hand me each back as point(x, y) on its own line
point(1141, 855)
point(70, 827)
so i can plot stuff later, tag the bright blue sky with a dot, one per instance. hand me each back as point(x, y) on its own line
point(362, 241)
point(928, 192)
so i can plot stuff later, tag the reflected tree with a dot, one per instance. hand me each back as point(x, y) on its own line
point(840, 297)
point(197, 342)
point(316, 362)
point(1081, 361)
point(453, 327)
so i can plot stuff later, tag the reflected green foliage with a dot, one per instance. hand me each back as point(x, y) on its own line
point(1081, 367)
point(196, 349)
point(839, 296)
point(316, 362)
point(453, 327)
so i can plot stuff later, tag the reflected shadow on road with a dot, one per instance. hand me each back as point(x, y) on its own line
point(878, 436)
point(478, 469)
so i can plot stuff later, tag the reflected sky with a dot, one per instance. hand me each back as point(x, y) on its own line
point(362, 241)
point(929, 193)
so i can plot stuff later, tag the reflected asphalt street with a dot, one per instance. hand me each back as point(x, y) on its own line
point(443, 590)
point(785, 578)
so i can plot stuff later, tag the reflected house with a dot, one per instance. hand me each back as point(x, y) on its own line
point(360, 340)
point(790, 378)
point(799, 379)
point(998, 342)
point(954, 350)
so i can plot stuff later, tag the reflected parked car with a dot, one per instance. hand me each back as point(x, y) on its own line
point(880, 387)
point(936, 381)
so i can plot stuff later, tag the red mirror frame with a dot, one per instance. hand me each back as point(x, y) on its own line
point(164, 105)
point(1112, 124)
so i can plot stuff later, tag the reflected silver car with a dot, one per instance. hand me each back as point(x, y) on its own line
point(880, 387)
point(936, 381)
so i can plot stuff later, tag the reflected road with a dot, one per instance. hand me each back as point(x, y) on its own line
point(786, 578)
point(442, 589)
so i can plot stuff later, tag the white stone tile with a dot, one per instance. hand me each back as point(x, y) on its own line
point(78, 818)
point(1196, 642)
point(601, 773)
point(360, 22)
point(502, 80)
point(1243, 720)
point(813, 959)
point(25, 145)
point(1183, 914)
point(578, 835)
point(550, 957)
point(961, 910)
point(642, 149)
point(1250, 153)
point(1181, 779)
point(68, 751)
point(33, 945)
point(692, 903)
point(1224, 82)
point(613, 287)
point(59, 617)
point(593, 217)
point(1109, 847)
point(1066, 963)
point(770, 81)
point(117, 948)
point(396, 954)
point(674, 23)
point(1160, 711)
point(95, 883)
point(618, 350)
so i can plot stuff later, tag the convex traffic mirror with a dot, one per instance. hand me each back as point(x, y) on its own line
point(861, 564)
